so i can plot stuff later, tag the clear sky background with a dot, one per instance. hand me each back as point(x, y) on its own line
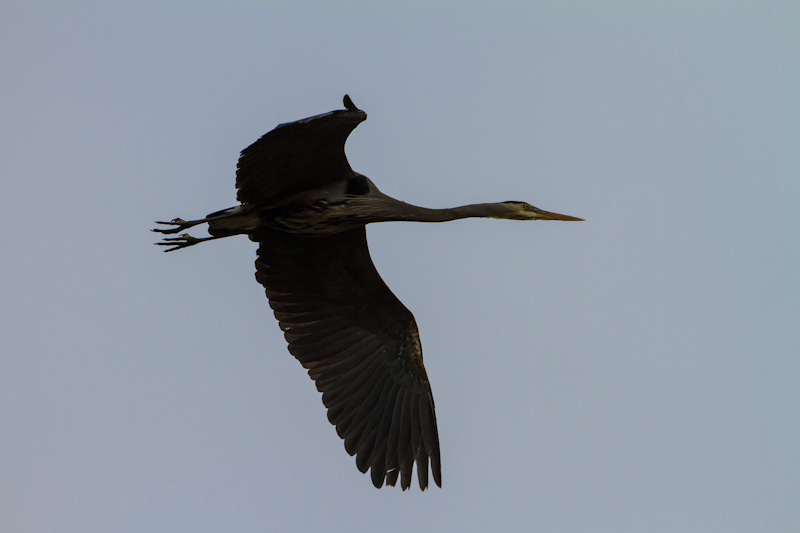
point(635, 372)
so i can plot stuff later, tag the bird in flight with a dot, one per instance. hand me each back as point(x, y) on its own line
point(307, 210)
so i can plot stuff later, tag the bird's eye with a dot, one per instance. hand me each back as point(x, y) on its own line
point(526, 206)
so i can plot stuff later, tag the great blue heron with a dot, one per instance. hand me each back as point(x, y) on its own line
point(307, 209)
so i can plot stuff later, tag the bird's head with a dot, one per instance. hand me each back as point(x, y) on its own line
point(525, 211)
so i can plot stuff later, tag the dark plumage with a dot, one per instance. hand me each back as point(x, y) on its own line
point(307, 209)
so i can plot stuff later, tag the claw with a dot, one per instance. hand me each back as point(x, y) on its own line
point(178, 222)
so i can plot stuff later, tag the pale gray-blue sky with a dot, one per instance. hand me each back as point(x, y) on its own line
point(635, 372)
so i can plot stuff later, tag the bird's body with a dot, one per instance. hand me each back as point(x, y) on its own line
point(308, 210)
point(340, 206)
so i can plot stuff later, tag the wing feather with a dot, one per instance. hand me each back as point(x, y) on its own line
point(366, 443)
point(377, 458)
point(357, 389)
point(328, 372)
point(359, 423)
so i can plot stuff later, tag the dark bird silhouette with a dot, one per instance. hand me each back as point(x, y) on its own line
point(307, 209)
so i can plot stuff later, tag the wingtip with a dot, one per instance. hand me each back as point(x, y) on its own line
point(348, 104)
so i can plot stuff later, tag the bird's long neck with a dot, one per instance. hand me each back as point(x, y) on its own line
point(414, 213)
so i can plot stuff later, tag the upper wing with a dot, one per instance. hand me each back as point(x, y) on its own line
point(361, 347)
point(301, 155)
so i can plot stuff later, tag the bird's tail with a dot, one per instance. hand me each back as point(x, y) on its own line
point(237, 220)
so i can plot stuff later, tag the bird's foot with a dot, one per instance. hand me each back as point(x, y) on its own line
point(182, 241)
point(179, 224)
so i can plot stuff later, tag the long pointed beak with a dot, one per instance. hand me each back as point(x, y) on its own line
point(547, 215)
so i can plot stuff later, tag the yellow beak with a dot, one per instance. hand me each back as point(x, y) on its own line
point(547, 215)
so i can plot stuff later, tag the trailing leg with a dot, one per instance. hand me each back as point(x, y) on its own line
point(242, 219)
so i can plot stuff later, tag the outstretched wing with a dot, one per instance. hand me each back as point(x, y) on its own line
point(296, 156)
point(361, 347)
